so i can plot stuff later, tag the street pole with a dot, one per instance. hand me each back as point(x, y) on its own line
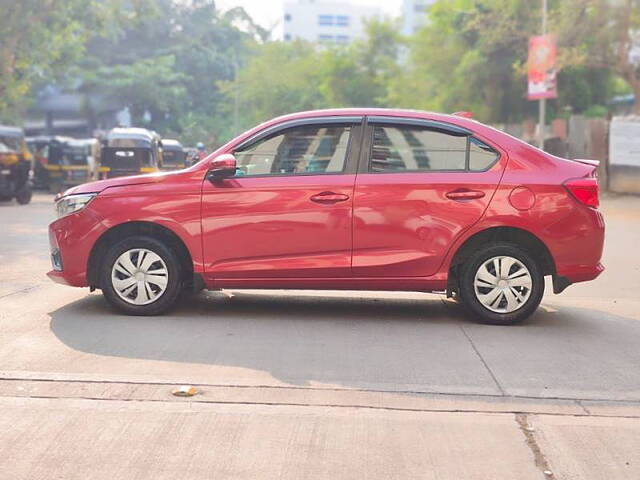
point(236, 94)
point(542, 113)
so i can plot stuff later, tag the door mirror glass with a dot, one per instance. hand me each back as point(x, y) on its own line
point(223, 166)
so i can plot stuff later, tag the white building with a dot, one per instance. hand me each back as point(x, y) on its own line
point(325, 21)
point(414, 15)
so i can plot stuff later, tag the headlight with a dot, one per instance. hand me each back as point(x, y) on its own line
point(73, 203)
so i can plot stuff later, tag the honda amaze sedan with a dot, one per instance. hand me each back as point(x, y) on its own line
point(357, 199)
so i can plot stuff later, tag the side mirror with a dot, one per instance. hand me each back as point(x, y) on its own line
point(223, 166)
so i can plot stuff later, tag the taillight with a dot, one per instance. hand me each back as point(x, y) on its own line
point(585, 190)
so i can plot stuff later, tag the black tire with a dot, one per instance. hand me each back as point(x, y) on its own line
point(24, 196)
point(483, 314)
point(174, 282)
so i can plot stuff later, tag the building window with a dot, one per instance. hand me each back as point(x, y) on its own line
point(342, 20)
point(342, 39)
point(287, 17)
point(325, 38)
point(325, 20)
point(287, 37)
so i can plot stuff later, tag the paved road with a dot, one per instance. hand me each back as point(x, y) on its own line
point(315, 384)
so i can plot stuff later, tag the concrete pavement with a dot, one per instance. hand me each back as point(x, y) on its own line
point(315, 384)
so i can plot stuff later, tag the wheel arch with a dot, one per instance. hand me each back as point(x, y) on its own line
point(128, 229)
point(518, 236)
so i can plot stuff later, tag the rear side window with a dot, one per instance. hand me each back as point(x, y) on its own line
point(410, 148)
point(311, 149)
point(481, 155)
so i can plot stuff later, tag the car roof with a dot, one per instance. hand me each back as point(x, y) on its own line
point(384, 112)
point(170, 142)
point(9, 131)
point(137, 133)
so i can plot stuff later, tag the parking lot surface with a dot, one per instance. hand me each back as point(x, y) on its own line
point(317, 384)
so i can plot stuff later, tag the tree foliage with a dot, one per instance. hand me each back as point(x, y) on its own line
point(167, 62)
point(38, 39)
point(601, 35)
point(185, 68)
point(280, 78)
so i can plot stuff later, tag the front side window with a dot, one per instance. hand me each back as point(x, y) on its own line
point(9, 144)
point(310, 149)
point(411, 148)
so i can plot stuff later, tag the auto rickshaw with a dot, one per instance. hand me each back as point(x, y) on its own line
point(130, 151)
point(39, 148)
point(71, 162)
point(15, 166)
point(174, 156)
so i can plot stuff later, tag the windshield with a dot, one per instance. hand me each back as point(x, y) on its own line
point(9, 144)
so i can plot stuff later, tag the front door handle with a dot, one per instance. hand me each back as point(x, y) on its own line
point(329, 197)
point(464, 194)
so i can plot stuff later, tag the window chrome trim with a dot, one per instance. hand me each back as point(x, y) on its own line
point(448, 128)
point(300, 122)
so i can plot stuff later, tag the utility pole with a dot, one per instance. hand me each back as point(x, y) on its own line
point(543, 101)
point(236, 93)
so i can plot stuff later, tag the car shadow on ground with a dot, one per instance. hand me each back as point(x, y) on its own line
point(420, 343)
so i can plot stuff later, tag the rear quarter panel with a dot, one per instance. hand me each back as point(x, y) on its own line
point(573, 233)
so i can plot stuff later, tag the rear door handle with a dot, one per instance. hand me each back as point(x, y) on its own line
point(329, 197)
point(465, 194)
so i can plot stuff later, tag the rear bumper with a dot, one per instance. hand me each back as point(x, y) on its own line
point(576, 275)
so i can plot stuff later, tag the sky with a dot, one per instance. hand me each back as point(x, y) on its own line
point(268, 13)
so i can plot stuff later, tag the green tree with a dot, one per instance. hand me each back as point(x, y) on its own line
point(41, 41)
point(166, 63)
point(359, 74)
point(38, 38)
point(280, 78)
point(601, 34)
point(469, 57)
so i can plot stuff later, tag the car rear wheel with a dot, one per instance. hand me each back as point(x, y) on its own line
point(501, 284)
point(141, 276)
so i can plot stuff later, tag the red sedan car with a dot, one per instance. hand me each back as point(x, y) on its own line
point(355, 199)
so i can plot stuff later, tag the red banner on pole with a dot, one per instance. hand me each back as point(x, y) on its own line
point(542, 68)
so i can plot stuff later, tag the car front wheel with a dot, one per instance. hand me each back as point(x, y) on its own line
point(141, 276)
point(501, 284)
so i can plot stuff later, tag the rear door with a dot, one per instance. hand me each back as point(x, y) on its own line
point(287, 213)
point(420, 184)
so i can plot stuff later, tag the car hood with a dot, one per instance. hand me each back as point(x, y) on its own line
point(99, 186)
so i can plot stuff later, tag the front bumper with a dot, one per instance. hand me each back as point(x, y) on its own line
point(71, 240)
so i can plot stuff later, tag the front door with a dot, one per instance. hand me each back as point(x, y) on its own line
point(419, 188)
point(287, 213)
